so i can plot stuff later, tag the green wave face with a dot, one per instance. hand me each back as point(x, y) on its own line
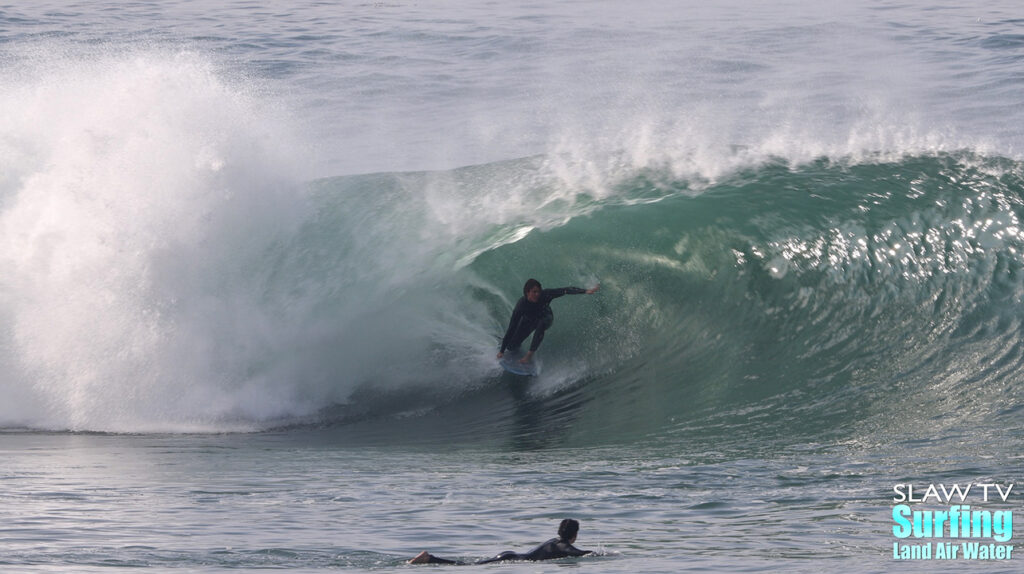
point(792, 301)
point(843, 299)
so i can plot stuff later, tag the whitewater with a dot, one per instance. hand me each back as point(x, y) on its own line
point(255, 263)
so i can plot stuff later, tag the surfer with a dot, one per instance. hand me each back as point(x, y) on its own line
point(533, 314)
point(559, 547)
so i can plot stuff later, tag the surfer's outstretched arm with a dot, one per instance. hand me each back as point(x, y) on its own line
point(549, 294)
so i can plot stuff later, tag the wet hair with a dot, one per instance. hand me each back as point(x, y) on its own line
point(568, 528)
point(530, 284)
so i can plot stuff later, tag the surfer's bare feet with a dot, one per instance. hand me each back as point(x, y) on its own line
point(421, 558)
point(527, 358)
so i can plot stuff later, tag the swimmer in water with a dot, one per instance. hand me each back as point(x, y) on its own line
point(533, 314)
point(560, 547)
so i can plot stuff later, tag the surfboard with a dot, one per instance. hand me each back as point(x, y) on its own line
point(510, 362)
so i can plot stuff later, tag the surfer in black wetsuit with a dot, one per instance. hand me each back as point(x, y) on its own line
point(533, 314)
point(560, 547)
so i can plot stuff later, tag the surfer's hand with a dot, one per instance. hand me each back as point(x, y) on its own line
point(500, 355)
point(594, 289)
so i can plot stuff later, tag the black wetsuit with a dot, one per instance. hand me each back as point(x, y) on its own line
point(534, 318)
point(554, 548)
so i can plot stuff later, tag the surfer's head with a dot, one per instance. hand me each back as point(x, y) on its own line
point(568, 529)
point(532, 290)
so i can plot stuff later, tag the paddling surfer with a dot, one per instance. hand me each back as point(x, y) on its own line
point(558, 547)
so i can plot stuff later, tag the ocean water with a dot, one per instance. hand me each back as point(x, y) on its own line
point(256, 259)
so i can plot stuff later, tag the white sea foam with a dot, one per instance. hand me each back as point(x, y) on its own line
point(141, 190)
